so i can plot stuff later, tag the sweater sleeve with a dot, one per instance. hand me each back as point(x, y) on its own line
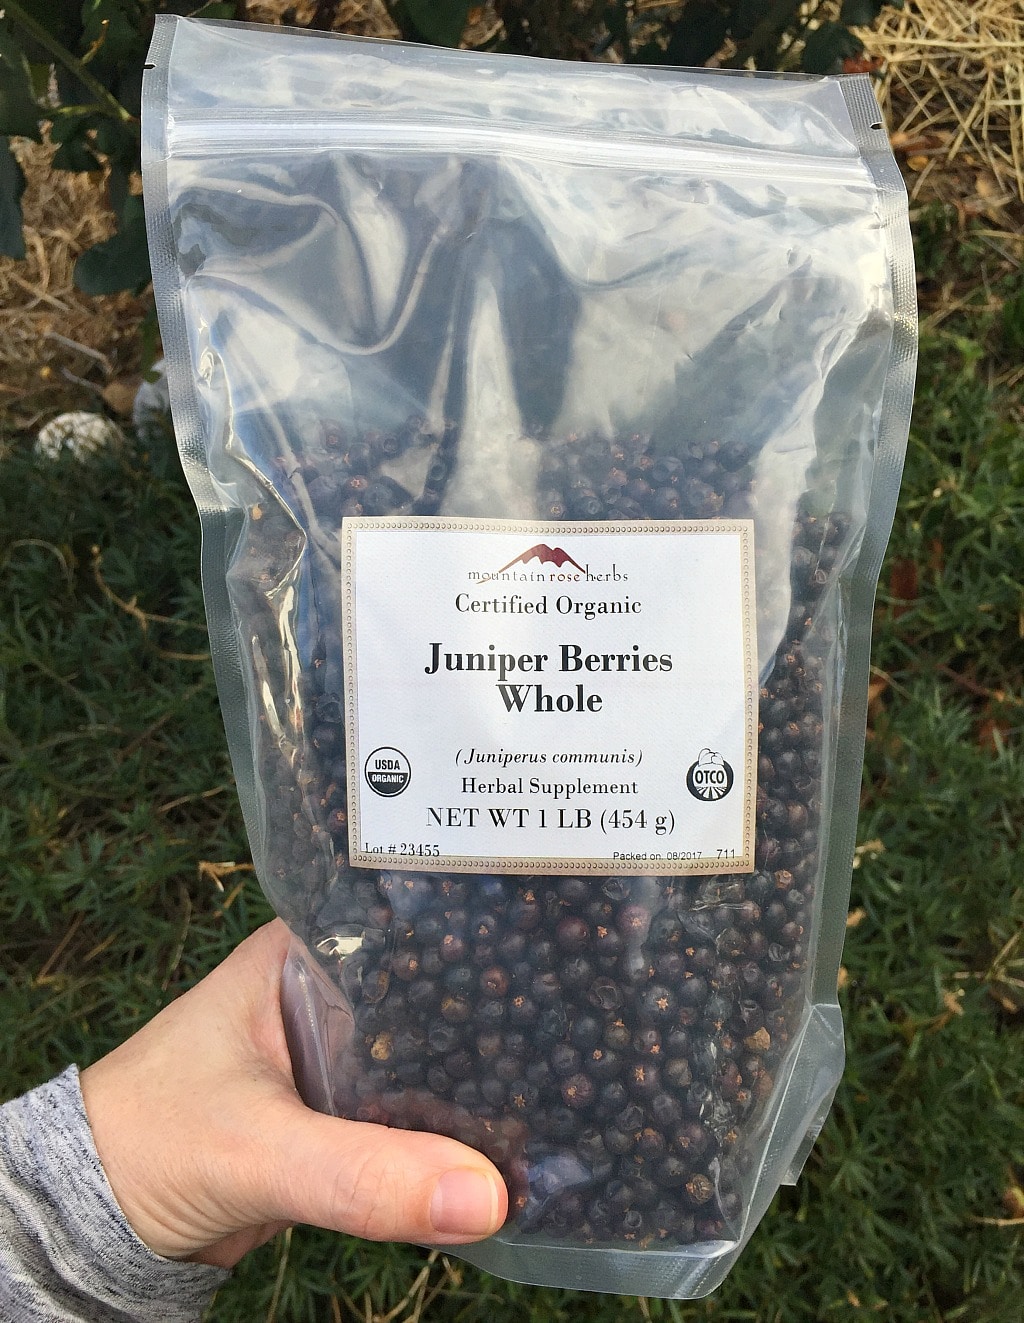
point(67, 1253)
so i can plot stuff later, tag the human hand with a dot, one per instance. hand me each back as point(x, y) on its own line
point(210, 1151)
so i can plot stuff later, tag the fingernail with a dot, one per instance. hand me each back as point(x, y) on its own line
point(465, 1203)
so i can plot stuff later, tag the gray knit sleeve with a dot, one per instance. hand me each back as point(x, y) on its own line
point(67, 1254)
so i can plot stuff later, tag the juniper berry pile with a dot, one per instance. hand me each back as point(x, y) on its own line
point(609, 1042)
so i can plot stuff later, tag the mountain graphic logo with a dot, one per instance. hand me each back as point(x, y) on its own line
point(543, 553)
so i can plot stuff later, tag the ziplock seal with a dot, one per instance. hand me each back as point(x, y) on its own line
point(282, 133)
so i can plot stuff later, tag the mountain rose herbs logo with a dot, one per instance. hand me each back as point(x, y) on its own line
point(544, 554)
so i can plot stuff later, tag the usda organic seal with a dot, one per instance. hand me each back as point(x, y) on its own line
point(387, 771)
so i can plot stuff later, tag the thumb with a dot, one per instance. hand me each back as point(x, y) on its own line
point(378, 1182)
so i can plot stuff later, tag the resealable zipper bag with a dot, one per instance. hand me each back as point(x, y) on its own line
point(545, 423)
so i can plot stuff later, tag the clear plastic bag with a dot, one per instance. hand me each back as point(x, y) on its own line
point(545, 422)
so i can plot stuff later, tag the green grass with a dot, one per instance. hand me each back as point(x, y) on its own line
point(115, 785)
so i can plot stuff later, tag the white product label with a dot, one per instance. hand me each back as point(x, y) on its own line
point(550, 697)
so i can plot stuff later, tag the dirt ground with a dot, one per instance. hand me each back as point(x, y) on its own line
point(950, 78)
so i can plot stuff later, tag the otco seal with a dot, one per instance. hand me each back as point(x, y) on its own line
point(710, 777)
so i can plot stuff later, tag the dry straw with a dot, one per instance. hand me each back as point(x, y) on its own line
point(359, 18)
point(59, 349)
point(953, 92)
